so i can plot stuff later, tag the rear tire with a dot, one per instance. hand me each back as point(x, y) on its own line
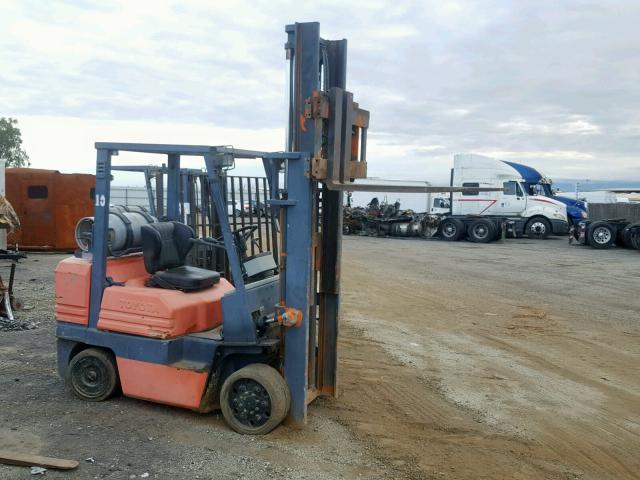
point(255, 399)
point(601, 234)
point(93, 375)
point(451, 229)
point(626, 234)
point(538, 228)
point(632, 236)
point(481, 231)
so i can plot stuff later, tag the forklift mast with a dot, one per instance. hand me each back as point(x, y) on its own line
point(325, 123)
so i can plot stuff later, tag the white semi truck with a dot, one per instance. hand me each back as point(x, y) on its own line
point(481, 215)
point(518, 205)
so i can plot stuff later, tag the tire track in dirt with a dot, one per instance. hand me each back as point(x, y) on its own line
point(512, 376)
point(416, 432)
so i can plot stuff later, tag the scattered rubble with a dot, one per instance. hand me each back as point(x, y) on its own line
point(387, 219)
point(15, 325)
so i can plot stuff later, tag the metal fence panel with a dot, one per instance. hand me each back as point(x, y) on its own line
point(603, 211)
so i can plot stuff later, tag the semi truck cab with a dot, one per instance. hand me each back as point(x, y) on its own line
point(538, 184)
point(528, 209)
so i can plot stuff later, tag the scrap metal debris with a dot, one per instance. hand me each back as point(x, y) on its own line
point(387, 219)
point(8, 217)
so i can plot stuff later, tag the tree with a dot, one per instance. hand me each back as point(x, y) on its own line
point(11, 144)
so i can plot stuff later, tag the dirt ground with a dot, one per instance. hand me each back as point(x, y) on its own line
point(458, 361)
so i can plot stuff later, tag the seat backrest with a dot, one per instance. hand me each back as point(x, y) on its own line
point(165, 245)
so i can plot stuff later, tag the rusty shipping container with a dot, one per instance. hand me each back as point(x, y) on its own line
point(49, 204)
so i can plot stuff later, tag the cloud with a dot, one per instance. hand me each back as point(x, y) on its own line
point(554, 86)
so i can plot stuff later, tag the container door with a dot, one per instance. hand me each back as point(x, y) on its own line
point(37, 218)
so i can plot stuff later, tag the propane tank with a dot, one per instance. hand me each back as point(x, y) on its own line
point(124, 229)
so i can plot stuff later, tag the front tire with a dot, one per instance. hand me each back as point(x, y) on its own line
point(93, 375)
point(255, 399)
point(601, 235)
point(538, 228)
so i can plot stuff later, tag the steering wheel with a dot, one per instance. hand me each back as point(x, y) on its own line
point(240, 237)
point(244, 233)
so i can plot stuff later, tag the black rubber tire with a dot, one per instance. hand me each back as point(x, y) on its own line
point(601, 235)
point(261, 383)
point(538, 228)
point(634, 236)
point(625, 237)
point(93, 375)
point(481, 230)
point(451, 229)
point(576, 232)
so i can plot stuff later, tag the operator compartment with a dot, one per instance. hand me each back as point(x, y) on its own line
point(134, 308)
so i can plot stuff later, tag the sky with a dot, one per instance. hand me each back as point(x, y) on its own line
point(553, 84)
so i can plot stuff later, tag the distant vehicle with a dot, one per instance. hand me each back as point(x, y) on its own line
point(481, 216)
point(603, 234)
point(254, 209)
point(536, 183)
point(520, 208)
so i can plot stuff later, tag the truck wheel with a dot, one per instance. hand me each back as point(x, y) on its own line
point(601, 235)
point(451, 229)
point(92, 375)
point(255, 399)
point(624, 238)
point(538, 228)
point(481, 231)
point(634, 236)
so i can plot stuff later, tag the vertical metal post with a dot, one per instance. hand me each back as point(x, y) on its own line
point(241, 188)
point(159, 194)
point(258, 212)
point(147, 181)
point(233, 202)
point(331, 241)
point(240, 327)
point(173, 187)
point(250, 200)
point(297, 230)
point(267, 216)
point(303, 48)
point(99, 237)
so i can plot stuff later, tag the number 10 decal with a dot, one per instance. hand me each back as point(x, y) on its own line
point(100, 200)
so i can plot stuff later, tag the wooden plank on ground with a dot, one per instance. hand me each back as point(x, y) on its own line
point(29, 460)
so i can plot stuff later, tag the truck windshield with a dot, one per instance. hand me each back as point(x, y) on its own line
point(543, 189)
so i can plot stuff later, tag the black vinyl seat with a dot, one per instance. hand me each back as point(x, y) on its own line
point(165, 246)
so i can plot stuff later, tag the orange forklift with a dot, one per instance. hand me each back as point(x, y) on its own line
point(133, 315)
point(258, 340)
